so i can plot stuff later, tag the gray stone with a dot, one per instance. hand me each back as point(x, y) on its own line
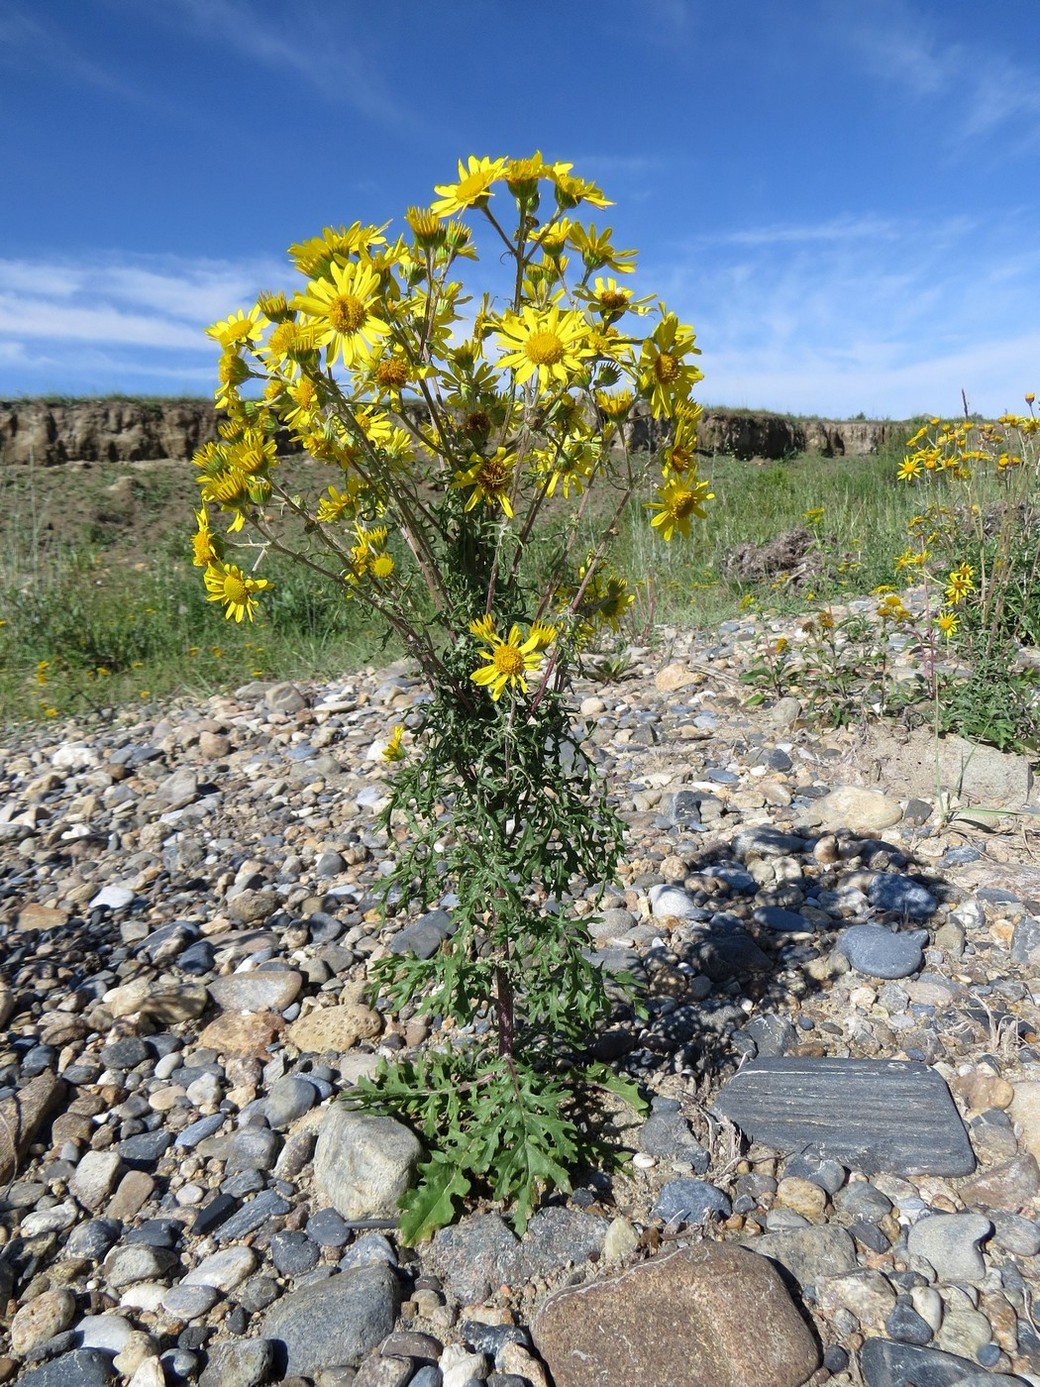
point(252, 1148)
point(364, 1164)
point(949, 1243)
point(336, 1321)
point(188, 1303)
point(259, 990)
point(885, 1363)
point(808, 1253)
point(475, 1256)
point(239, 1363)
point(667, 1136)
point(781, 921)
point(676, 1320)
point(877, 952)
point(556, 1236)
point(425, 936)
point(81, 1368)
point(287, 1099)
point(1025, 941)
point(251, 1216)
point(765, 841)
point(673, 901)
point(853, 1111)
point(690, 1201)
point(223, 1270)
point(902, 895)
point(95, 1177)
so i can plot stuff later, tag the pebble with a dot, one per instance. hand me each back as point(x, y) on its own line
point(180, 1004)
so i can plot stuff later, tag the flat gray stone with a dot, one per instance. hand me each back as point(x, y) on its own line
point(475, 1256)
point(877, 952)
point(885, 1363)
point(334, 1322)
point(808, 1253)
point(425, 936)
point(852, 1111)
point(949, 1243)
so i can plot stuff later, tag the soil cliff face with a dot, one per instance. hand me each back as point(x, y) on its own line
point(46, 433)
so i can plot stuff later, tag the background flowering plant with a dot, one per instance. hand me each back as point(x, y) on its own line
point(474, 464)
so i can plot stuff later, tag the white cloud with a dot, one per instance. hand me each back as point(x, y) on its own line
point(830, 319)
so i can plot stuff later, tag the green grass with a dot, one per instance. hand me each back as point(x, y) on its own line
point(108, 611)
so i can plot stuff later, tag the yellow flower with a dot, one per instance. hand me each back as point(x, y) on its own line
point(545, 342)
point(959, 583)
point(228, 584)
point(394, 751)
point(910, 468)
point(239, 329)
point(509, 661)
point(814, 516)
point(345, 311)
point(491, 479)
point(947, 624)
point(335, 245)
point(205, 544)
point(666, 379)
point(571, 190)
point(677, 502)
point(382, 566)
point(473, 188)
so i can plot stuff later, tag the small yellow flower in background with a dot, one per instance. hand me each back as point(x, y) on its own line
point(959, 583)
point(394, 751)
point(1030, 397)
point(892, 608)
point(780, 645)
point(814, 516)
point(50, 712)
point(509, 660)
point(228, 584)
point(677, 502)
point(473, 188)
point(41, 672)
point(947, 624)
point(910, 468)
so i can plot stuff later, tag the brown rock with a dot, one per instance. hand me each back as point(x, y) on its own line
point(677, 1320)
point(980, 1091)
point(242, 1033)
point(21, 1117)
point(674, 677)
point(336, 1028)
point(33, 916)
point(135, 1189)
point(1010, 1185)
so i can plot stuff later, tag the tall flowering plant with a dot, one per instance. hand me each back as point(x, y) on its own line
point(473, 462)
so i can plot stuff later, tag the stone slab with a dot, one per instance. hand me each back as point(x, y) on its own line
point(852, 1111)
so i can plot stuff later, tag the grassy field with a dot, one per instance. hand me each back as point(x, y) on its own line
point(100, 605)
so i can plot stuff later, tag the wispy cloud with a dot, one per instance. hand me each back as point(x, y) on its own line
point(886, 317)
point(980, 91)
point(27, 42)
point(342, 73)
point(98, 323)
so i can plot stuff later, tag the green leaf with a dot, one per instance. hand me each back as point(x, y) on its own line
point(431, 1204)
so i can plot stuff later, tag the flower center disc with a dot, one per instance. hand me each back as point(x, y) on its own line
point(666, 368)
point(347, 313)
point(508, 660)
point(544, 348)
point(235, 590)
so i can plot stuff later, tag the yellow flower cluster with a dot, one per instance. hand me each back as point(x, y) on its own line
point(452, 422)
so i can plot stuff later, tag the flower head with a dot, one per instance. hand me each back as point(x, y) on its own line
point(542, 342)
point(394, 751)
point(509, 660)
point(473, 188)
point(678, 500)
point(345, 311)
point(228, 584)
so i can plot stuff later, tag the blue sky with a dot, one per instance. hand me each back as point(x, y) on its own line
point(840, 195)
